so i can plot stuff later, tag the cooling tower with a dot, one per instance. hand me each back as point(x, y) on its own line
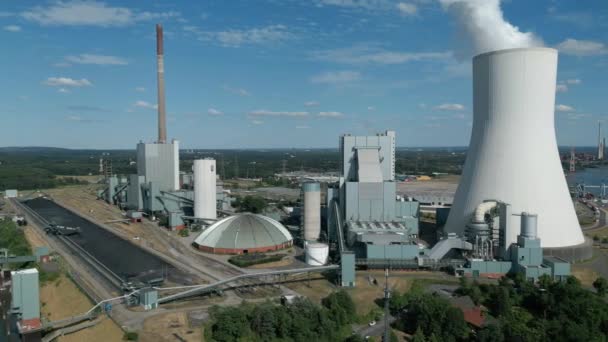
point(205, 206)
point(513, 155)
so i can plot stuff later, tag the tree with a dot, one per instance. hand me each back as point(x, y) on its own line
point(500, 301)
point(418, 336)
point(253, 204)
point(544, 281)
point(601, 286)
point(491, 333)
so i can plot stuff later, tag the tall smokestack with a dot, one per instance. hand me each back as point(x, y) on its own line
point(162, 122)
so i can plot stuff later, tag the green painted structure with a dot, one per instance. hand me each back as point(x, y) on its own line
point(148, 298)
point(347, 269)
point(25, 294)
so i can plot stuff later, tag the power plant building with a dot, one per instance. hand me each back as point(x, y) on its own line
point(513, 155)
point(363, 209)
point(244, 233)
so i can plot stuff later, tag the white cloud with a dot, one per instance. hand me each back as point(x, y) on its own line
point(486, 28)
point(214, 112)
point(336, 77)
point(373, 5)
point(564, 108)
point(563, 86)
point(449, 106)
point(67, 82)
point(63, 90)
point(62, 65)
point(582, 47)
point(257, 122)
point(91, 13)
point(311, 103)
point(236, 38)
point(264, 112)
point(330, 114)
point(303, 127)
point(238, 91)
point(86, 58)
point(12, 28)
point(407, 9)
point(140, 89)
point(369, 54)
point(371, 108)
point(144, 104)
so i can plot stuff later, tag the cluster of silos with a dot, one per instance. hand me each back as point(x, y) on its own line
point(513, 155)
point(205, 206)
point(316, 253)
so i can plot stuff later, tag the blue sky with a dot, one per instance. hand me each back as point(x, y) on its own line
point(273, 73)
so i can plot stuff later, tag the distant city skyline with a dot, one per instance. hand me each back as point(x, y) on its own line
point(275, 74)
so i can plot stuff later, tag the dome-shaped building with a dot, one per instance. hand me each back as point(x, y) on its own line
point(244, 233)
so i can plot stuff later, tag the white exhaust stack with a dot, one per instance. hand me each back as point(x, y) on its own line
point(513, 155)
point(204, 189)
point(160, 73)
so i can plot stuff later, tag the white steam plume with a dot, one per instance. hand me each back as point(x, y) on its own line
point(487, 29)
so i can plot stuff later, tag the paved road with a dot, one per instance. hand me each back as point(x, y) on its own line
point(375, 330)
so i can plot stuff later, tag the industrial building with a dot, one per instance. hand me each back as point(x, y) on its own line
point(25, 300)
point(363, 207)
point(159, 189)
point(244, 233)
point(513, 155)
point(489, 231)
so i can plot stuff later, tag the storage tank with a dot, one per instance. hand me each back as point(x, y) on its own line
point(513, 155)
point(528, 225)
point(205, 206)
point(316, 253)
point(312, 211)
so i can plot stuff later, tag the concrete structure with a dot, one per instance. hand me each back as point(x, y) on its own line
point(156, 162)
point(370, 210)
point(513, 155)
point(244, 233)
point(25, 294)
point(11, 193)
point(525, 256)
point(312, 211)
point(160, 73)
point(148, 298)
point(205, 195)
point(316, 254)
point(360, 150)
point(600, 142)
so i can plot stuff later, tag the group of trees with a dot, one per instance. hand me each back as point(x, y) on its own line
point(518, 310)
point(300, 321)
point(252, 204)
point(12, 238)
point(427, 316)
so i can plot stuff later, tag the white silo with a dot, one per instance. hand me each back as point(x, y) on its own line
point(316, 253)
point(513, 155)
point(204, 189)
point(312, 211)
